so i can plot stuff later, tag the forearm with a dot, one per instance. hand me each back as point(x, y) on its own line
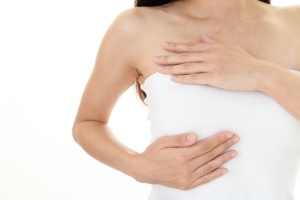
point(173, 161)
point(97, 140)
point(283, 86)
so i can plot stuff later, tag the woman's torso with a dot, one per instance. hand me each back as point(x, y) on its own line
point(254, 116)
point(269, 150)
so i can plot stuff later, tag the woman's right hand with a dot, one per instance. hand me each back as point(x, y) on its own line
point(181, 162)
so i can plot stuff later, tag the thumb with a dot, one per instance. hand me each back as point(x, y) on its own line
point(184, 140)
point(206, 39)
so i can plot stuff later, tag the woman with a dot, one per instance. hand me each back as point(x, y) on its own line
point(241, 45)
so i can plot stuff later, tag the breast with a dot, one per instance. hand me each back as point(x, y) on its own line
point(178, 108)
point(268, 133)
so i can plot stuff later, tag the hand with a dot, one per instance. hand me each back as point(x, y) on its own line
point(216, 64)
point(181, 162)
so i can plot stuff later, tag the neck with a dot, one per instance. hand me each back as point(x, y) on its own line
point(223, 9)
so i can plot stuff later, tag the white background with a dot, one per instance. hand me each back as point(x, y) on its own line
point(47, 51)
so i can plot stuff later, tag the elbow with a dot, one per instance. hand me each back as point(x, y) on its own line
point(85, 127)
point(82, 128)
point(76, 132)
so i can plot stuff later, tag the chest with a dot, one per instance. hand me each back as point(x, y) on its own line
point(271, 42)
point(210, 110)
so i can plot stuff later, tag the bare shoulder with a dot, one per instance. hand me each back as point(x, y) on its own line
point(128, 31)
point(134, 21)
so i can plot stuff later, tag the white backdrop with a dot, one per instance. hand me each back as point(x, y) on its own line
point(47, 51)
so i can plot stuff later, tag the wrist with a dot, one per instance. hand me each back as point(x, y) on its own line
point(268, 77)
point(139, 169)
point(135, 167)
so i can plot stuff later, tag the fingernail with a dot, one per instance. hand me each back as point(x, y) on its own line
point(191, 137)
point(233, 155)
point(224, 172)
point(235, 140)
point(230, 135)
point(161, 68)
point(156, 58)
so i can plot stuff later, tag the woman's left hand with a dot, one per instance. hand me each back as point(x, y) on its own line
point(212, 63)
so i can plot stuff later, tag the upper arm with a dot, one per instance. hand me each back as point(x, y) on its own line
point(113, 72)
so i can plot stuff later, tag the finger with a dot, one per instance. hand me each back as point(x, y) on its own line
point(187, 47)
point(209, 177)
point(210, 155)
point(216, 161)
point(196, 78)
point(207, 39)
point(214, 164)
point(181, 58)
point(209, 144)
point(186, 68)
point(183, 140)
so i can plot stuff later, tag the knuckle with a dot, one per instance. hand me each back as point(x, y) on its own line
point(225, 158)
point(194, 77)
point(204, 180)
point(189, 46)
point(184, 56)
point(209, 155)
point(220, 139)
point(173, 45)
point(183, 181)
point(180, 141)
point(169, 68)
point(229, 143)
point(209, 168)
point(183, 184)
point(187, 66)
point(164, 58)
point(183, 187)
point(205, 146)
point(226, 145)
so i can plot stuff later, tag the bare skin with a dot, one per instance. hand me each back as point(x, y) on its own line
point(237, 64)
point(139, 33)
point(230, 67)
